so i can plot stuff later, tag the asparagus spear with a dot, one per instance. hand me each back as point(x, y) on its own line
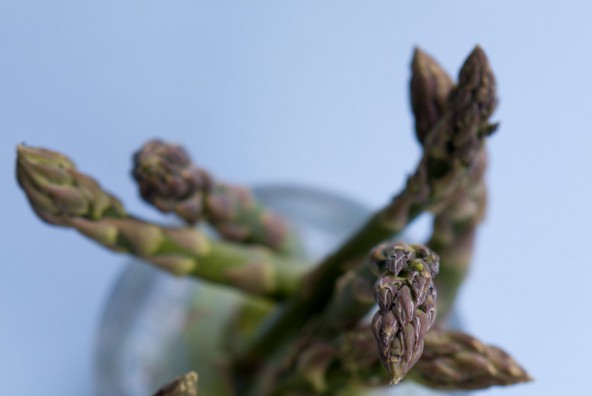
point(407, 299)
point(455, 221)
point(430, 86)
point(455, 225)
point(451, 360)
point(455, 360)
point(172, 183)
point(185, 385)
point(60, 195)
point(449, 153)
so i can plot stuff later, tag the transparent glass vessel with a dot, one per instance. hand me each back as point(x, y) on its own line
point(156, 326)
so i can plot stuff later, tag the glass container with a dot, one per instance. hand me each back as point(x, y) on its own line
point(148, 330)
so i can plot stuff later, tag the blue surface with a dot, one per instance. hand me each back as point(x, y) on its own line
point(303, 92)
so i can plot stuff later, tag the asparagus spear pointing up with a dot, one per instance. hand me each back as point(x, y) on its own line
point(429, 88)
point(407, 299)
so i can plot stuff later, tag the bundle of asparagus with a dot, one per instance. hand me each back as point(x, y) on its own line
point(307, 334)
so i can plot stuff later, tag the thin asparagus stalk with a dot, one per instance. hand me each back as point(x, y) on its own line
point(185, 385)
point(62, 196)
point(169, 180)
point(455, 225)
point(453, 234)
point(352, 299)
point(347, 360)
point(449, 154)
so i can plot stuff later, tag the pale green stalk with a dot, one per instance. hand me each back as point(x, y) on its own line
point(62, 196)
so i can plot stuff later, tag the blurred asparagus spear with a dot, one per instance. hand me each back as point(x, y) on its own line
point(456, 221)
point(185, 385)
point(169, 180)
point(60, 195)
point(429, 89)
point(450, 150)
point(455, 360)
point(451, 360)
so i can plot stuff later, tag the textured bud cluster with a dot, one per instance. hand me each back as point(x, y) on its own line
point(57, 191)
point(473, 101)
point(169, 180)
point(407, 299)
point(455, 360)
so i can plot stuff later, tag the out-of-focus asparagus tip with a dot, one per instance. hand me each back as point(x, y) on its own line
point(185, 385)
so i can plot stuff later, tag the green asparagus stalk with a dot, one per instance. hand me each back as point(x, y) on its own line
point(172, 183)
point(407, 299)
point(453, 234)
point(62, 196)
point(347, 361)
point(185, 385)
point(352, 299)
point(455, 360)
point(449, 153)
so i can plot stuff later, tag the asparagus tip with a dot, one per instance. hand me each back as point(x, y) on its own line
point(186, 385)
point(430, 86)
point(55, 189)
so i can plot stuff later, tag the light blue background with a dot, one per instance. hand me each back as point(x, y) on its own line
point(304, 92)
